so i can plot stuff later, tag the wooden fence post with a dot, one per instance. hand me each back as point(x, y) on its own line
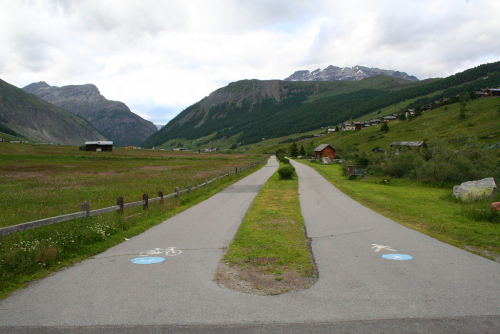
point(160, 194)
point(196, 185)
point(177, 191)
point(236, 170)
point(119, 201)
point(145, 198)
point(86, 207)
point(189, 188)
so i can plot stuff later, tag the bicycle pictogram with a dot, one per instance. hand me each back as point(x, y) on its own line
point(170, 251)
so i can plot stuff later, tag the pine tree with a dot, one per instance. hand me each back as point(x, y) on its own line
point(294, 151)
point(385, 127)
point(418, 110)
point(302, 150)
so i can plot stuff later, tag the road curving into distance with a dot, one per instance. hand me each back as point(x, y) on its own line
point(374, 276)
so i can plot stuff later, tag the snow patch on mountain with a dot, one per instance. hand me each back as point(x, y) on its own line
point(332, 73)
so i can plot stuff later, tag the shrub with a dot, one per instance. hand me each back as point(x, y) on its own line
point(286, 172)
point(284, 160)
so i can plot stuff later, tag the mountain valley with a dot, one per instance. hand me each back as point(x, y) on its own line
point(114, 119)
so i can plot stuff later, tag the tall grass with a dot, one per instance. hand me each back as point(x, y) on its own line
point(40, 182)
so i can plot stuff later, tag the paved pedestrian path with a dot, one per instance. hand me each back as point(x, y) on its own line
point(349, 242)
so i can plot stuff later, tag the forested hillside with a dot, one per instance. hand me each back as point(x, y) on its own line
point(254, 109)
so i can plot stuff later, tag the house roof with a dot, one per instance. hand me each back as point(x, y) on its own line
point(407, 143)
point(99, 142)
point(321, 147)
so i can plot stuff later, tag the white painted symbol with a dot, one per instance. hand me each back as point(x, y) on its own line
point(400, 257)
point(170, 251)
point(379, 247)
point(147, 260)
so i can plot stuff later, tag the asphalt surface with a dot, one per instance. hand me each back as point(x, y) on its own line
point(441, 289)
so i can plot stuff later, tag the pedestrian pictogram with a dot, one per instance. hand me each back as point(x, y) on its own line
point(378, 248)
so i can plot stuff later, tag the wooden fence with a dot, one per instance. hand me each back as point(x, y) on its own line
point(120, 205)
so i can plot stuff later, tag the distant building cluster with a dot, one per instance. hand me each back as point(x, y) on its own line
point(2, 140)
point(207, 150)
point(350, 125)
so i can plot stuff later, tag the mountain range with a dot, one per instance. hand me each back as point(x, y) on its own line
point(242, 113)
point(26, 115)
point(332, 73)
point(112, 118)
point(247, 111)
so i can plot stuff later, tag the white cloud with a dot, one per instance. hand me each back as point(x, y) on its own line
point(162, 56)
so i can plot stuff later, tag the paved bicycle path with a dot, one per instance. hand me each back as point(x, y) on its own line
point(355, 284)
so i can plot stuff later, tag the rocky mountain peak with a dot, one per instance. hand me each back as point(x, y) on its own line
point(333, 73)
point(35, 86)
point(113, 118)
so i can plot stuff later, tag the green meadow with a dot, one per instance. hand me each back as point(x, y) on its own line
point(41, 181)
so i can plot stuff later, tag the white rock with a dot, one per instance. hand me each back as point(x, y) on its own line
point(473, 190)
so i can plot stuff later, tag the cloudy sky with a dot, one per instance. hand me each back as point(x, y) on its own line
point(160, 56)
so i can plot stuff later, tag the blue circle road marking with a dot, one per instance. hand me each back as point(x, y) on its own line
point(147, 260)
point(397, 257)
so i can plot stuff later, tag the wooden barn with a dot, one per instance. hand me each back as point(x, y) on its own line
point(324, 150)
point(99, 146)
point(397, 145)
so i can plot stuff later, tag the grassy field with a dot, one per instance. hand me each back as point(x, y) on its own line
point(44, 181)
point(433, 211)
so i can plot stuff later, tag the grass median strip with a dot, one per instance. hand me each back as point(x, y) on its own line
point(270, 254)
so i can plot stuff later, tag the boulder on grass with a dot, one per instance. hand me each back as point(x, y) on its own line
point(474, 190)
point(327, 160)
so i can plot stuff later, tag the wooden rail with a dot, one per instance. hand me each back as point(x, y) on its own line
point(120, 205)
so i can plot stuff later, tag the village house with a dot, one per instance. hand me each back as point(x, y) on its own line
point(494, 92)
point(409, 112)
point(397, 145)
point(482, 92)
point(99, 146)
point(357, 125)
point(207, 150)
point(389, 118)
point(379, 150)
point(435, 103)
point(324, 150)
point(348, 126)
